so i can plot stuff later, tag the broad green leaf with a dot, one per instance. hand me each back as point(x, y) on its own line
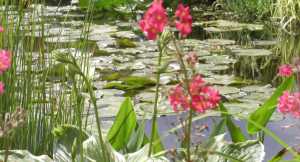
point(124, 125)
point(157, 145)
point(235, 131)
point(137, 138)
point(263, 114)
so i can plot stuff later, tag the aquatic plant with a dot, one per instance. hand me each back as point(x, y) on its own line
point(249, 10)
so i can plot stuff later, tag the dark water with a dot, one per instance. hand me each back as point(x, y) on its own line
point(288, 130)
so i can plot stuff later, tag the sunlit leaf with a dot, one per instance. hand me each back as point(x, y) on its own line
point(124, 125)
point(263, 114)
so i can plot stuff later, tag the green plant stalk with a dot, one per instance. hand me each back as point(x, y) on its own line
point(94, 101)
point(78, 116)
point(187, 87)
point(154, 117)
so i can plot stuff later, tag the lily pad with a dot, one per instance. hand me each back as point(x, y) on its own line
point(252, 52)
point(228, 26)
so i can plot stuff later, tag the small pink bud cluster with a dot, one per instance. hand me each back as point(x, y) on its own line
point(201, 98)
point(289, 103)
point(156, 19)
point(5, 63)
point(285, 70)
point(192, 59)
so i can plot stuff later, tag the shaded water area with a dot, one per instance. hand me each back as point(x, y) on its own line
point(239, 59)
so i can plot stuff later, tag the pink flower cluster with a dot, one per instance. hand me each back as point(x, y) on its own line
point(285, 70)
point(156, 19)
point(202, 97)
point(5, 63)
point(184, 22)
point(1, 29)
point(289, 103)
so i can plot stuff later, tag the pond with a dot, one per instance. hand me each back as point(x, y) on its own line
point(239, 59)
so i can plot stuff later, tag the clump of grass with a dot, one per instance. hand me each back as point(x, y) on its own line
point(249, 10)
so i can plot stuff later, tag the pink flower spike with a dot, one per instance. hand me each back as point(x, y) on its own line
point(184, 22)
point(5, 61)
point(285, 70)
point(1, 88)
point(154, 20)
point(1, 29)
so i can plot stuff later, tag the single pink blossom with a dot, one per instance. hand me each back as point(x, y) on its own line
point(184, 22)
point(289, 103)
point(5, 61)
point(178, 99)
point(154, 20)
point(1, 29)
point(285, 70)
point(1, 88)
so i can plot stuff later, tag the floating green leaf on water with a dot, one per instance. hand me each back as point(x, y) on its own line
point(125, 43)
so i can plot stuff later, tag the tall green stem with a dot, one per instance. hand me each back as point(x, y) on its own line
point(187, 87)
point(154, 118)
point(94, 102)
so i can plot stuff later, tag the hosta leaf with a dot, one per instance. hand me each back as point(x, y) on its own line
point(249, 151)
point(24, 156)
point(142, 156)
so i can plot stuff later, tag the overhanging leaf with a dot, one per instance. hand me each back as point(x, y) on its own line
point(124, 125)
point(263, 114)
point(235, 131)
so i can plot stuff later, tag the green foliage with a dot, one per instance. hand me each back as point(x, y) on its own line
point(102, 4)
point(125, 43)
point(124, 124)
point(249, 10)
point(131, 83)
point(67, 135)
point(235, 131)
point(263, 114)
